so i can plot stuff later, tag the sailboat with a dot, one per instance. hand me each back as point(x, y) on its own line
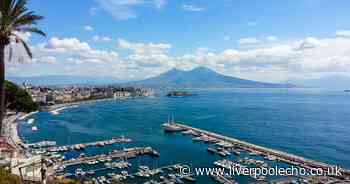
point(171, 126)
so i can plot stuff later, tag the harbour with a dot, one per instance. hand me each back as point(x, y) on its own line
point(126, 153)
point(82, 146)
point(270, 154)
point(144, 129)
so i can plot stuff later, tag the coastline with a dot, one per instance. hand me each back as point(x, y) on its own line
point(11, 132)
point(26, 115)
point(65, 105)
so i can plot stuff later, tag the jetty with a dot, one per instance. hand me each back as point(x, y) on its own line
point(263, 151)
point(82, 146)
point(116, 154)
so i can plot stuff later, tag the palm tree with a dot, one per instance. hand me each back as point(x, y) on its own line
point(15, 18)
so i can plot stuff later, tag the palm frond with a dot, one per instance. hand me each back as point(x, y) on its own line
point(32, 30)
point(10, 52)
point(26, 47)
point(15, 17)
point(5, 6)
point(19, 8)
point(26, 19)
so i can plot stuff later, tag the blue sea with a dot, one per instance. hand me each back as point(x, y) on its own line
point(312, 123)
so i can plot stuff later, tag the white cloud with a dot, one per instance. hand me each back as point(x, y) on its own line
point(192, 8)
point(101, 38)
point(309, 43)
point(268, 62)
point(272, 38)
point(45, 59)
point(25, 36)
point(125, 9)
point(66, 44)
point(143, 48)
point(248, 41)
point(343, 33)
point(88, 28)
point(74, 48)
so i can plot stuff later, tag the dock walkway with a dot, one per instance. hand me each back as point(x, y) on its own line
point(281, 156)
point(89, 144)
point(126, 153)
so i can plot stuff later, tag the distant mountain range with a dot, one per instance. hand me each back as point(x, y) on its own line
point(63, 80)
point(330, 82)
point(202, 77)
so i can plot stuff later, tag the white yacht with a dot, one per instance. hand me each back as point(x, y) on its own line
point(34, 128)
point(30, 121)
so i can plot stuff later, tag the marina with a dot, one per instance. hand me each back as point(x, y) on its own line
point(82, 146)
point(161, 175)
point(125, 153)
point(270, 154)
point(196, 147)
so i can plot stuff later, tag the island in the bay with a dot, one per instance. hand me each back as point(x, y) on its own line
point(178, 94)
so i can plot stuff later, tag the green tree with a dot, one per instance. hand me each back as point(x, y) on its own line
point(18, 99)
point(14, 18)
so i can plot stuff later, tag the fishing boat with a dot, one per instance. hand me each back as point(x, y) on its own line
point(270, 157)
point(34, 128)
point(55, 113)
point(196, 139)
point(221, 153)
point(124, 173)
point(237, 153)
point(79, 172)
point(155, 153)
point(91, 173)
point(211, 150)
point(30, 121)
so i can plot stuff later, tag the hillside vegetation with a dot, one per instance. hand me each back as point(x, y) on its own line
point(18, 99)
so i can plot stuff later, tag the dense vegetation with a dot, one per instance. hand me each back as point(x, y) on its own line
point(18, 99)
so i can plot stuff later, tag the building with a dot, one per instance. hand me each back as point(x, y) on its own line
point(121, 94)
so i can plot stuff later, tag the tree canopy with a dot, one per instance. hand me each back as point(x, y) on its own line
point(18, 99)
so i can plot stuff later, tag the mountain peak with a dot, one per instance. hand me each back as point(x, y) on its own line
point(202, 68)
point(201, 77)
point(175, 70)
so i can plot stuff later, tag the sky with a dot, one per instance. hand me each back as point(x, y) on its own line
point(271, 41)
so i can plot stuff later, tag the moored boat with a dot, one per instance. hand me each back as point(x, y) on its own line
point(34, 128)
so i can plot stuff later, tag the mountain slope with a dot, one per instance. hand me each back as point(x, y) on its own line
point(202, 77)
